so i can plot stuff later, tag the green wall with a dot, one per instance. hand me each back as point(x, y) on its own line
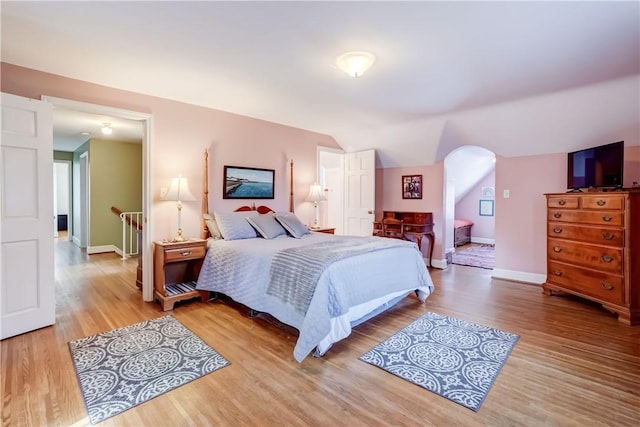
point(115, 170)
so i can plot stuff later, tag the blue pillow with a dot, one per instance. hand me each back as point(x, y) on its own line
point(234, 225)
point(267, 226)
point(292, 224)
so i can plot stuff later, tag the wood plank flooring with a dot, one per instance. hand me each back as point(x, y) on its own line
point(574, 365)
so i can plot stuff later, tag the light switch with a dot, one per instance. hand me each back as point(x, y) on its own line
point(506, 194)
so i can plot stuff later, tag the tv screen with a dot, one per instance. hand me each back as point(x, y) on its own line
point(596, 167)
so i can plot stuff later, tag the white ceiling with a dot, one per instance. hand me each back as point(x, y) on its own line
point(438, 64)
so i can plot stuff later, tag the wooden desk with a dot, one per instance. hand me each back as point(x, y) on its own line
point(415, 225)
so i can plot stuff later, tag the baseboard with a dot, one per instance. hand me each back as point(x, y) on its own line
point(519, 276)
point(439, 263)
point(483, 240)
point(76, 241)
point(101, 249)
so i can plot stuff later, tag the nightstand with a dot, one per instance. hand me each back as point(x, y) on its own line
point(176, 266)
point(324, 230)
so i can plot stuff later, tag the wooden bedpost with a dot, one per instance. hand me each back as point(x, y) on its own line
point(204, 232)
point(291, 187)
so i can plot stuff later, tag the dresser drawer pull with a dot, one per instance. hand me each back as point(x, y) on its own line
point(557, 215)
point(557, 230)
point(607, 236)
point(186, 253)
point(607, 218)
point(601, 202)
point(562, 202)
point(606, 286)
point(606, 258)
point(557, 249)
point(556, 273)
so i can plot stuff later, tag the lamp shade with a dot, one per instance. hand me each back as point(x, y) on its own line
point(179, 190)
point(315, 194)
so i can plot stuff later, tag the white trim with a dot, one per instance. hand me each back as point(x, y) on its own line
point(147, 169)
point(438, 263)
point(519, 276)
point(102, 249)
point(483, 240)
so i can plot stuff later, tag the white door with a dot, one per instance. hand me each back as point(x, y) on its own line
point(27, 287)
point(55, 202)
point(360, 192)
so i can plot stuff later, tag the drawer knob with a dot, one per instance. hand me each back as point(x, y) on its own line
point(601, 202)
point(606, 258)
point(607, 235)
point(562, 202)
point(557, 230)
point(557, 215)
point(186, 253)
point(556, 273)
point(607, 218)
point(557, 249)
point(606, 286)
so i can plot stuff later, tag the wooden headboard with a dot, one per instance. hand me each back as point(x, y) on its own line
point(204, 232)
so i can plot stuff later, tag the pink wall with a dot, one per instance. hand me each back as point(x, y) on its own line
point(181, 132)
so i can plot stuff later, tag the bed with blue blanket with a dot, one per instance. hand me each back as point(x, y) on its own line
point(321, 284)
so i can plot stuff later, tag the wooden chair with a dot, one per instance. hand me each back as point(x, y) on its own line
point(393, 228)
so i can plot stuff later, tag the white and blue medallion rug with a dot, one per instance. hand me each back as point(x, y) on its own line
point(448, 356)
point(125, 367)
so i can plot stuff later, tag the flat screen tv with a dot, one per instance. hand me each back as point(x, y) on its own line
point(598, 167)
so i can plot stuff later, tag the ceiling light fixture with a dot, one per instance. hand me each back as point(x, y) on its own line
point(106, 129)
point(355, 63)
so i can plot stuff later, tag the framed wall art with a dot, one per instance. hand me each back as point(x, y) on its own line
point(486, 208)
point(247, 183)
point(412, 186)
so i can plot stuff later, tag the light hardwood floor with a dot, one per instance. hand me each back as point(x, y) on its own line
point(574, 364)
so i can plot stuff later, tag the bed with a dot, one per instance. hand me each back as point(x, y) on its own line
point(462, 231)
point(321, 284)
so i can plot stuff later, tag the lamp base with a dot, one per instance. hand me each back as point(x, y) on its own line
point(179, 237)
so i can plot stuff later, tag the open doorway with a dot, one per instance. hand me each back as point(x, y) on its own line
point(469, 199)
point(62, 199)
point(145, 121)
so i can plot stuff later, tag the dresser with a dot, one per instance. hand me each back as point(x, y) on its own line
point(593, 249)
point(410, 226)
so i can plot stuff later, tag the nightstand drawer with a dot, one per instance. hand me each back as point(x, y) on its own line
point(182, 254)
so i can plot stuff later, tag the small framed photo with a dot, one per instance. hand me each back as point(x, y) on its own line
point(488, 192)
point(412, 186)
point(486, 208)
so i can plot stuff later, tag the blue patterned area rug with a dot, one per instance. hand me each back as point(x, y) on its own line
point(448, 356)
point(123, 368)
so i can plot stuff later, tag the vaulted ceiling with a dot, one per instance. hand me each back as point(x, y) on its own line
point(518, 78)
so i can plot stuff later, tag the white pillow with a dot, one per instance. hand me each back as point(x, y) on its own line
point(292, 224)
point(267, 226)
point(212, 226)
point(234, 225)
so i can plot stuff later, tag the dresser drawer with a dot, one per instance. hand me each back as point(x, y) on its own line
point(182, 254)
point(600, 202)
point(601, 258)
point(597, 235)
point(612, 218)
point(606, 287)
point(562, 202)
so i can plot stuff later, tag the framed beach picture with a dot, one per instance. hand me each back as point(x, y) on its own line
point(247, 183)
point(412, 186)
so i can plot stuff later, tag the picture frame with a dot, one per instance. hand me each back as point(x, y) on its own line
point(486, 208)
point(488, 192)
point(412, 186)
point(241, 182)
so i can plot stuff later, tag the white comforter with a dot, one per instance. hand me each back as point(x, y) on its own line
point(240, 270)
